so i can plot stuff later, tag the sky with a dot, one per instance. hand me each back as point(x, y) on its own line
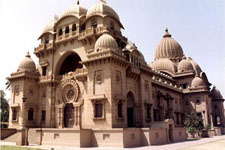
point(199, 27)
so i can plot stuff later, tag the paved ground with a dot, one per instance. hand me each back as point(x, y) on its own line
point(214, 143)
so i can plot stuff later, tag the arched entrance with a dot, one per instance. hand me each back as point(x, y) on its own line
point(68, 116)
point(130, 110)
point(70, 64)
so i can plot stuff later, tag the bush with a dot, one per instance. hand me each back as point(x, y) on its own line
point(193, 123)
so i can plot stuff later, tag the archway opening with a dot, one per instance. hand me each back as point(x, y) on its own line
point(70, 64)
point(69, 116)
point(130, 110)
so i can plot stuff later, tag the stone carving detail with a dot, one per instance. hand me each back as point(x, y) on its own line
point(70, 91)
point(17, 91)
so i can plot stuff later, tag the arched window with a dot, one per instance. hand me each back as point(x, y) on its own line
point(120, 109)
point(148, 112)
point(14, 114)
point(67, 30)
point(31, 114)
point(70, 64)
point(43, 115)
point(60, 32)
point(46, 40)
point(98, 110)
point(94, 23)
point(74, 27)
point(83, 27)
point(44, 70)
point(112, 25)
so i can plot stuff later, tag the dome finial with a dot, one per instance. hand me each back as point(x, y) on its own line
point(28, 54)
point(104, 1)
point(167, 29)
point(78, 2)
point(167, 34)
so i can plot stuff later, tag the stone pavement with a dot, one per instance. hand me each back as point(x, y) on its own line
point(214, 143)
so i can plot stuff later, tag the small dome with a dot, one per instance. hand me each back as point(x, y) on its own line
point(75, 10)
point(102, 9)
point(169, 48)
point(216, 93)
point(164, 64)
point(197, 82)
point(106, 42)
point(130, 46)
point(49, 27)
point(27, 64)
point(184, 66)
point(196, 67)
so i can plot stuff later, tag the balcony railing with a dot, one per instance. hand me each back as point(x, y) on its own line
point(40, 47)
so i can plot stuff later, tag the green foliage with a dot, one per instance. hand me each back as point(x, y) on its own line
point(193, 123)
point(4, 112)
point(5, 147)
point(208, 127)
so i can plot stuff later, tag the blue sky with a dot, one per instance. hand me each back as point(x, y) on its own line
point(199, 26)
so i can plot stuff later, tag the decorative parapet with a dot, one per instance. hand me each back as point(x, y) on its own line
point(79, 74)
point(43, 48)
point(23, 74)
point(159, 81)
point(50, 78)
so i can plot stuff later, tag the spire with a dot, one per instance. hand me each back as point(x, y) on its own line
point(167, 34)
point(78, 2)
point(28, 54)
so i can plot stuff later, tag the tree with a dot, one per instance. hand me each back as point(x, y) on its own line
point(4, 112)
point(7, 84)
point(193, 123)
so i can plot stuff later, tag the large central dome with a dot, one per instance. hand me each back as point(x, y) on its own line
point(75, 10)
point(169, 48)
point(102, 9)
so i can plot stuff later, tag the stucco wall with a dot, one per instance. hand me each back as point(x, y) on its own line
point(179, 134)
point(158, 136)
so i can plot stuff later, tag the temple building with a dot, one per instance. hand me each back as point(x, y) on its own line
point(91, 87)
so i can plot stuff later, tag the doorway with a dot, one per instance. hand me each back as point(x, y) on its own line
point(130, 110)
point(170, 133)
point(69, 116)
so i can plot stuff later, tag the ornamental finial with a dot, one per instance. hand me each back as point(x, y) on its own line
point(104, 1)
point(167, 34)
point(166, 29)
point(78, 2)
point(28, 54)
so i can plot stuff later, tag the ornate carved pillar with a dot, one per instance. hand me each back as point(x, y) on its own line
point(60, 116)
point(76, 116)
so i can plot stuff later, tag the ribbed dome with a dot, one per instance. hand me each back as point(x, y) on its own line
point(49, 27)
point(106, 42)
point(27, 64)
point(164, 64)
point(169, 48)
point(184, 66)
point(197, 82)
point(196, 67)
point(101, 8)
point(75, 10)
point(216, 93)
